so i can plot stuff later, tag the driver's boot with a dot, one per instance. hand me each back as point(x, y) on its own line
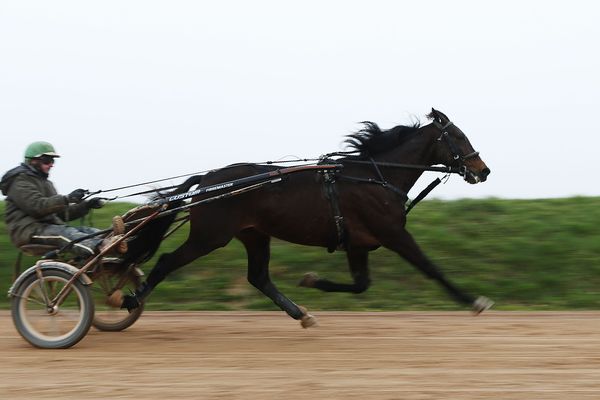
point(120, 248)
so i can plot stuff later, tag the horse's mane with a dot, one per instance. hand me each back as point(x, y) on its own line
point(371, 140)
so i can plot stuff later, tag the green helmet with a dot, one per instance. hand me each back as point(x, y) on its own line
point(38, 149)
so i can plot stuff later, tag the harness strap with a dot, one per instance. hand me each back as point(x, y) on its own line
point(422, 195)
point(378, 171)
point(182, 221)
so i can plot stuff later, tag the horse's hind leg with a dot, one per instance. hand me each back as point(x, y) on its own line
point(404, 244)
point(359, 269)
point(167, 263)
point(258, 248)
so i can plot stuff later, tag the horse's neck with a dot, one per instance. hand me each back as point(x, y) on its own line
point(418, 151)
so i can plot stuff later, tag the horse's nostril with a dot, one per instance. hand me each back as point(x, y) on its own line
point(485, 172)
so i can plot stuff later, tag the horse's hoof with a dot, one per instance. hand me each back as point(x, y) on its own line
point(309, 280)
point(130, 302)
point(482, 304)
point(308, 320)
point(115, 299)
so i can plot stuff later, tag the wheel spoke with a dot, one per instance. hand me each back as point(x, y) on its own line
point(36, 297)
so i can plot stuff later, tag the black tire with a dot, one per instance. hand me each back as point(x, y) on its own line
point(60, 328)
point(111, 318)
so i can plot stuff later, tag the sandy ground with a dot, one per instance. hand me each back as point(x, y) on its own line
point(267, 355)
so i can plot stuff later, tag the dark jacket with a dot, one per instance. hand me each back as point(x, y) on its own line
point(32, 203)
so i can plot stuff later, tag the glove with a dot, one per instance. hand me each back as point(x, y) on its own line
point(76, 195)
point(96, 202)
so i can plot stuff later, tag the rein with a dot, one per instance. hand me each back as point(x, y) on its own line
point(372, 162)
point(89, 194)
point(140, 184)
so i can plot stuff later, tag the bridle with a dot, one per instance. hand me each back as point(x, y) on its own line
point(459, 158)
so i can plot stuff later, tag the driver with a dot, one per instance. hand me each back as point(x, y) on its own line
point(36, 214)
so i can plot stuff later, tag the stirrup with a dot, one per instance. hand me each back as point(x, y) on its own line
point(118, 225)
point(112, 260)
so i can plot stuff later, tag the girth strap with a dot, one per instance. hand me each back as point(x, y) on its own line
point(329, 178)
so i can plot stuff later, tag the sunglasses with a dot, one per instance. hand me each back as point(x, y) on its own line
point(47, 160)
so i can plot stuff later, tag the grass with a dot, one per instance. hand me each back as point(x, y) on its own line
point(525, 254)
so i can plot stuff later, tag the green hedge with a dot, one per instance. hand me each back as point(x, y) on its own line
point(524, 254)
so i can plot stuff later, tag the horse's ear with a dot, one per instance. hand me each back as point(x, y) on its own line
point(438, 116)
point(434, 115)
point(443, 118)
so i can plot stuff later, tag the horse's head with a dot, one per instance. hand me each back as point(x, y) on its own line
point(455, 150)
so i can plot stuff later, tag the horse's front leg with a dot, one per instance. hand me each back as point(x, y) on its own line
point(404, 244)
point(258, 248)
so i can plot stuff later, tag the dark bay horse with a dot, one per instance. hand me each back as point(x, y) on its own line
point(358, 209)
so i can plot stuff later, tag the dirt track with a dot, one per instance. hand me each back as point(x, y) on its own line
point(246, 355)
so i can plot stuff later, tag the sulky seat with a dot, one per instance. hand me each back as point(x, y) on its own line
point(37, 250)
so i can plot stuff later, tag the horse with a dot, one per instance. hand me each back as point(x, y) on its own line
point(357, 209)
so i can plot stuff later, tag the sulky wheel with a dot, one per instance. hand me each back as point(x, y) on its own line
point(107, 290)
point(52, 326)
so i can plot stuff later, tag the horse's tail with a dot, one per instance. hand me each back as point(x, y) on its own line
point(147, 241)
point(185, 186)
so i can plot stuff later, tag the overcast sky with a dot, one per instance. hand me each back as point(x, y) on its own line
point(131, 91)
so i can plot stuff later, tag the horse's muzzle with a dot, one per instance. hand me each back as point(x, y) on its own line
point(474, 177)
point(484, 174)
